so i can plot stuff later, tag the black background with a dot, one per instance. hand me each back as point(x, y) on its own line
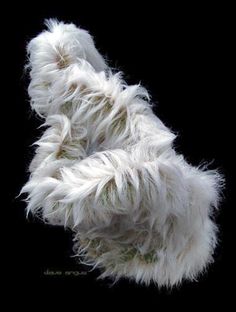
point(182, 55)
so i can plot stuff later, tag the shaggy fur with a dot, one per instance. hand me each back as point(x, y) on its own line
point(105, 167)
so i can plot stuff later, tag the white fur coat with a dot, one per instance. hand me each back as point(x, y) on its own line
point(106, 168)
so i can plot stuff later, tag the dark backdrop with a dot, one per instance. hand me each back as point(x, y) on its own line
point(182, 55)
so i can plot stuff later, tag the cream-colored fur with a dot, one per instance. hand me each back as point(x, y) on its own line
point(106, 168)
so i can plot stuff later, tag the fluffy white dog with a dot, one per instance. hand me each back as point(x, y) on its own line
point(105, 167)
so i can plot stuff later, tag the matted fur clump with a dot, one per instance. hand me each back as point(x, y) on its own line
point(105, 167)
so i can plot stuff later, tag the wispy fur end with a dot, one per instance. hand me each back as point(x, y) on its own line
point(105, 167)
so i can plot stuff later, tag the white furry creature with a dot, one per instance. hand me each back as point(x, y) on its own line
point(105, 167)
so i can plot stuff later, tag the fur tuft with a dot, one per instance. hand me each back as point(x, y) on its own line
point(106, 168)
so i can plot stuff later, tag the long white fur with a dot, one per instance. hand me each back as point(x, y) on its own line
point(106, 168)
